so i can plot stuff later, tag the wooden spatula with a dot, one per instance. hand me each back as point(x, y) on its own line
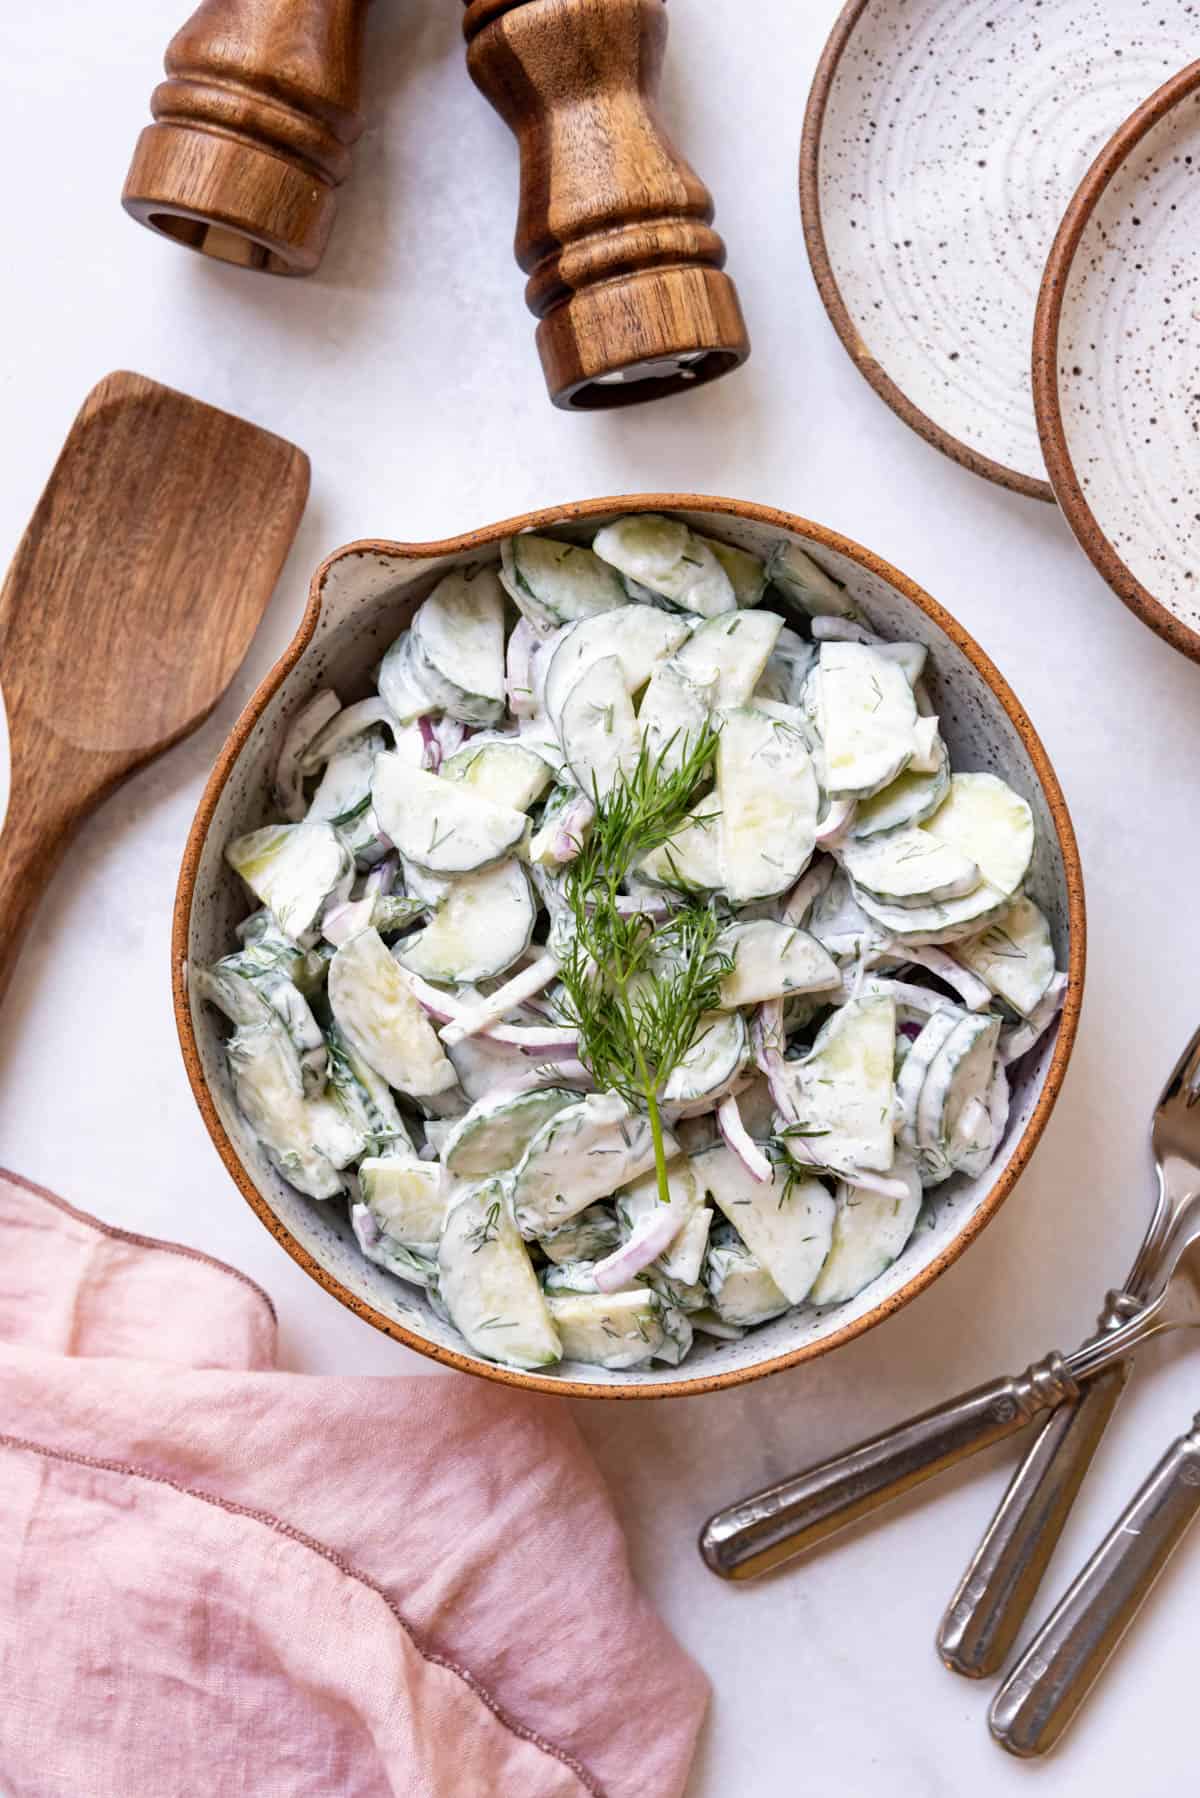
point(129, 606)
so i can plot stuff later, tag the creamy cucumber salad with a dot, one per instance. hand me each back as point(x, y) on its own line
point(632, 960)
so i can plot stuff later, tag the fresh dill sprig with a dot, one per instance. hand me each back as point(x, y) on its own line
point(636, 988)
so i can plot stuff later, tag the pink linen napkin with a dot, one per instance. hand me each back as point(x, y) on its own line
point(217, 1578)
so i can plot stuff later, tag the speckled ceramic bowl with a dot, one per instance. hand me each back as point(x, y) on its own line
point(361, 597)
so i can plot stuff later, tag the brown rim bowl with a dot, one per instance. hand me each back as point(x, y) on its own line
point(361, 597)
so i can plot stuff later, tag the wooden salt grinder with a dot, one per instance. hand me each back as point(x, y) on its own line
point(614, 228)
point(252, 133)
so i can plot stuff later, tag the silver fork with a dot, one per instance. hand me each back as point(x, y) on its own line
point(772, 1526)
point(983, 1618)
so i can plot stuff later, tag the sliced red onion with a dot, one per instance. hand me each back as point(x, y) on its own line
point(308, 723)
point(431, 761)
point(518, 670)
point(767, 1040)
point(341, 922)
point(970, 989)
point(807, 890)
point(740, 1141)
point(573, 821)
point(366, 1230)
point(1022, 1038)
point(451, 734)
point(431, 999)
point(836, 822)
point(536, 1039)
point(834, 629)
point(514, 992)
point(887, 1189)
point(646, 1244)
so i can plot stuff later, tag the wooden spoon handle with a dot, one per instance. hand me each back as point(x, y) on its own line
point(38, 826)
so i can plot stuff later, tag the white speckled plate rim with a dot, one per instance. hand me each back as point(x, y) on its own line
point(1068, 489)
point(841, 315)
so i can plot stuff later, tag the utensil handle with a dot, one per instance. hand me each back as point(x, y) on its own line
point(749, 1538)
point(1057, 1671)
point(36, 830)
point(984, 1617)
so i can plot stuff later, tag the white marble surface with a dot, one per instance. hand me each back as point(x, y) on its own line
point(406, 368)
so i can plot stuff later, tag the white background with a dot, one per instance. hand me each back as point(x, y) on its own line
point(406, 368)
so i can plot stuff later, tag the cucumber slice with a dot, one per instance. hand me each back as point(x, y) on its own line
point(983, 818)
point(264, 944)
point(553, 583)
point(866, 717)
point(869, 1232)
point(673, 713)
point(403, 684)
point(599, 730)
point(787, 1226)
point(935, 1031)
point(743, 1292)
point(838, 921)
point(481, 928)
point(343, 798)
point(662, 554)
point(442, 825)
point(642, 1214)
point(590, 1236)
point(294, 870)
point(494, 1135)
point(787, 670)
point(690, 861)
point(768, 798)
point(731, 651)
point(639, 637)
point(1014, 957)
point(346, 730)
point(487, 1283)
point(711, 1064)
point(907, 800)
point(457, 638)
point(501, 769)
point(308, 722)
point(366, 1100)
point(587, 1151)
point(408, 1199)
point(683, 1262)
point(224, 986)
point(747, 573)
point(382, 1022)
point(960, 1074)
point(842, 1090)
point(393, 1257)
point(946, 922)
point(909, 867)
point(608, 1329)
point(807, 584)
point(770, 959)
point(263, 1070)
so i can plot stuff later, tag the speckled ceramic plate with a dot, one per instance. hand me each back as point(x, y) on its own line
point(942, 143)
point(361, 597)
point(1117, 362)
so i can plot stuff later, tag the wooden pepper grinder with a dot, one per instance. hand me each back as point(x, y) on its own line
point(253, 130)
point(614, 228)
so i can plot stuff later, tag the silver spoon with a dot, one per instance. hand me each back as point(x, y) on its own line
point(787, 1519)
point(983, 1618)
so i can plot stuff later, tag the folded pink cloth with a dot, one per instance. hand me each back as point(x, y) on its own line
point(217, 1578)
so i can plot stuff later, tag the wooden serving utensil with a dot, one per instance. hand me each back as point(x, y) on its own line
point(129, 606)
point(615, 229)
point(253, 131)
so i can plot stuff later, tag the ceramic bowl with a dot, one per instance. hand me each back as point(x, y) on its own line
point(361, 597)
